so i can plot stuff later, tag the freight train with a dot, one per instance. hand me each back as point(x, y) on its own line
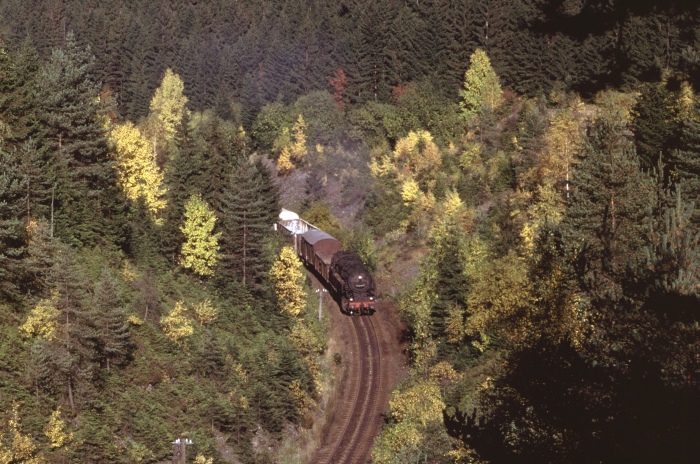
point(342, 272)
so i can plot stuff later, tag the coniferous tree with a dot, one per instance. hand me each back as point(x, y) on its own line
point(72, 353)
point(111, 329)
point(181, 174)
point(17, 95)
point(653, 125)
point(12, 246)
point(609, 202)
point(249, 209)
point(685, 161)
point(88, 205)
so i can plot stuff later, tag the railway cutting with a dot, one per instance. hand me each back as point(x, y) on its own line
point(358, 416)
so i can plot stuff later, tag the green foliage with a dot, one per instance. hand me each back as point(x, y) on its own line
point(608, 208)
point(268, 125)
point(573, 317)
point(654, 125)
point(249, 205)
point(685, 161)
point(200, 252)
point(482, 90)
point(88, 205)
point(361, 242)
point(320, 215)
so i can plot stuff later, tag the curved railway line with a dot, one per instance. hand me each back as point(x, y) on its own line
point(358, 413)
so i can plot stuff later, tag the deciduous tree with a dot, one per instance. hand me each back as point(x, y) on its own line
point(138, 173)
point(482, 89)
point(287, 279)
point(200, 252)
point(169, 105)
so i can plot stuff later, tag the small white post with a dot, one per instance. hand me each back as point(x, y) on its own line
point(320, 292)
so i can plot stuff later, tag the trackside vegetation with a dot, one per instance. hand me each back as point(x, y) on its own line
point(522, 177)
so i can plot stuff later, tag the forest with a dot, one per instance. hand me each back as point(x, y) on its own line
point(521, 175)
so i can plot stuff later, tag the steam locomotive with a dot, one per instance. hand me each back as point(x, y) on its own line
point(341, 271)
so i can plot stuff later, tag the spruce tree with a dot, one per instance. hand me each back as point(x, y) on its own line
point(73, 354)
point(12, 245)
point(685, 162)
point(653, 126)
point(17, 95)
point(248, 211)
point(111, 329)
point(88, 204)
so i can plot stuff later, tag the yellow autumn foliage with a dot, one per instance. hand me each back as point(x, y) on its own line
point(137, 171)
point(564, 141)
point(200, 252)
point(291, 147)
point(500, 291)
point(420, 403)
point(547, 207)
point(482, 89)
point(41, 321)
point(685, 104)
point(412, 410)
point(56, 430)
point(16, 447)
point(169, 104)
point(176, 325)
point(443, 371)
point(298, 148)
point(206, 312)
point(284, 163)
point(409, 191)
point(287, 278)
point(201, 459)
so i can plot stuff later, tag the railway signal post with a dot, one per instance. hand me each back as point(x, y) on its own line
point(320, 292)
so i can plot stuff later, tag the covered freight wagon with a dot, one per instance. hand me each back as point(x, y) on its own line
point(317, 248)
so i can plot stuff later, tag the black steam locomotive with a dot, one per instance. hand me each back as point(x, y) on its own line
point(351, 280)
point(341, 271)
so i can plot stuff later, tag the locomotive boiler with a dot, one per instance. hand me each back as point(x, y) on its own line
point(342, 272)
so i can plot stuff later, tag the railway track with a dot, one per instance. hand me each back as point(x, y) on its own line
point(352, 442)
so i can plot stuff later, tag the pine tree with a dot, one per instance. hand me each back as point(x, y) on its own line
point(653, 125)
point(72, 354)
point(17, 95)
point(182, 173)
point(608, 206)
point(12, 246)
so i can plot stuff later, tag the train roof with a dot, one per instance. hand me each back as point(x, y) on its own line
point(316, 235)
point(287, 215)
